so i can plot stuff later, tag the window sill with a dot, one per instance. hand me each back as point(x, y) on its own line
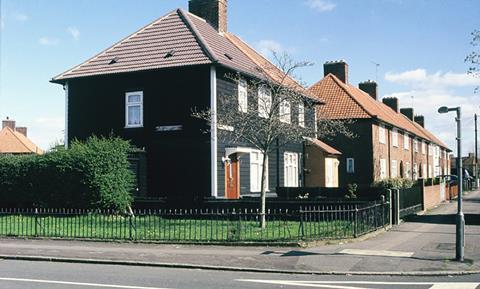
point(134, 126)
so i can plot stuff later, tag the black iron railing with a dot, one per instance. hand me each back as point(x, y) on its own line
point(198, 225)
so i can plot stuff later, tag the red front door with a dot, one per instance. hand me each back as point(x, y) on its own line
point(232, 178)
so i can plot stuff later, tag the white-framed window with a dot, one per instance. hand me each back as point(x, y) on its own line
point(395, 137)
point(330, 165)
point(256, 165)
point(406, 141)
point(134, 109)
point(264, 102)
point(350, 165)
point(285, 111)
point(301, 114)
point(242, 96)
point(408, 170)
point(424, 147)
point(290, 164)
point(394, 169)
point(381, 133)
point(430, 149)
point(424, 171)
point(415, 145)
point(430, 173)
point(415, 171)
point(383, 168)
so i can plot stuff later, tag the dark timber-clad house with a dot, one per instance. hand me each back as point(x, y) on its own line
point(144, 89)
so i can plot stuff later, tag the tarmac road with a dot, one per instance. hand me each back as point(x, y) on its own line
point(50, 275)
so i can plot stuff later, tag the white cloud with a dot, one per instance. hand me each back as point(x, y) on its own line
point(74, 32)
point(48, 41)
point(321, 5)
point(21, 17)
point(420, 78)
point(267, 47)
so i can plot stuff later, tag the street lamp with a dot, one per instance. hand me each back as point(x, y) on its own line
point(460, 223)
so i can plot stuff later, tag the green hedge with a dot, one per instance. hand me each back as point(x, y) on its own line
point(394, 183)
point(90, 174)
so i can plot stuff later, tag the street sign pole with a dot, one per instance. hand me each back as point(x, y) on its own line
point(460, 224)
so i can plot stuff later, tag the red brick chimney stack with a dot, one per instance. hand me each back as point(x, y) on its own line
point(339, 68)
point(213, 11)
point(8, 122)
point(369, 87)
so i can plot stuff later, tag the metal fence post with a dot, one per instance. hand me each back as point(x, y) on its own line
point(36, 222)
point(355, 221)
point(302, 228)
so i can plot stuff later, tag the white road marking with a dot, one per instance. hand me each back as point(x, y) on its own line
point(343, 284)
point(76, 283)
point(376, 253)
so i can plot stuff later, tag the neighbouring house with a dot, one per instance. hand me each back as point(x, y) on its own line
point(14, 140)
point(321, 164)
point(468, 164)
point(390, 142)
point(145, 87)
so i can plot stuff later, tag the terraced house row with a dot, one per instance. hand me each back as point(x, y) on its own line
point(389, 142)
point(145, 87)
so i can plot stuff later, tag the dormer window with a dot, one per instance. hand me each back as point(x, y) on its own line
point(134, 109)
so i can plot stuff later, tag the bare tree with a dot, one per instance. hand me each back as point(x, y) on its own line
point(474, 57)
point(265, 119)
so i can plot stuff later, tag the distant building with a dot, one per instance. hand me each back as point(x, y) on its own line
point(321, 164)
point(468, 164)
point(13, 140)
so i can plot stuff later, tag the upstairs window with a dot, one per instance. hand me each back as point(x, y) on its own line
point(242, 96)
point(415, 145)
point(134, 109)
point(301, 115)
point(350, 165)
point(285, 111)
point(406, 141)
point(381, 133)
point(395, 137)
point(264, 102)
point(424, 147)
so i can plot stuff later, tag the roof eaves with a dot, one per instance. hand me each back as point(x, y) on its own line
point(201, 41)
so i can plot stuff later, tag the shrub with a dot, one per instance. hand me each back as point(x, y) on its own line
point(351, 191)
point(90, 174)
point(394, 183)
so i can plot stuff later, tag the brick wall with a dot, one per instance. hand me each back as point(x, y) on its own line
point(431, 196)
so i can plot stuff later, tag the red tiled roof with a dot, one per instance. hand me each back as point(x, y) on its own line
point(191, 39)
point(326, 148)
point(13, 142)
point(344, 101)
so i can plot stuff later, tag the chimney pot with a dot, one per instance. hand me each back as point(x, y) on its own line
point(408, 112)
point(213, 11)
point(339, 68)
point(392, 102)
point(369, 87)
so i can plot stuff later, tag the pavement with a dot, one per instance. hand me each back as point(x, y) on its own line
point(422, 245)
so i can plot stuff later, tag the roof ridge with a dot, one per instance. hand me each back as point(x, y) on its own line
point(115, 44)
point(201, 41)
point(345, 88)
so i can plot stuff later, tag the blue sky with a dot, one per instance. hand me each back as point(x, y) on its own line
point(420, 46)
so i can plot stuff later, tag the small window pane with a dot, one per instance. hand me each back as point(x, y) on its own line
point(134, 115)
point(134, 98)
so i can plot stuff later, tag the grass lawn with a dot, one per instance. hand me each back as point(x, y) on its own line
point(158, 228)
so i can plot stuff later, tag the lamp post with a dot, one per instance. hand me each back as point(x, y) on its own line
point(460, 222)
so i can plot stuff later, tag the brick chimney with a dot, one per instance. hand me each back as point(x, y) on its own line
point(213, 11)
point(369, 87)
point(408, 112)
point(420, 119)
point(8, 122)
point(339, 68)
point(22, 130)
point(392, 102)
